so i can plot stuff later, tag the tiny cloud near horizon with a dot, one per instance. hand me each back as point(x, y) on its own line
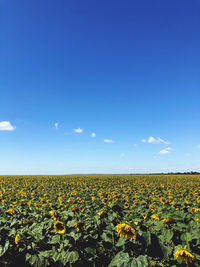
point(108, 141)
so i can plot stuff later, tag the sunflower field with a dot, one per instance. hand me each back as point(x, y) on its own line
point(100, 220)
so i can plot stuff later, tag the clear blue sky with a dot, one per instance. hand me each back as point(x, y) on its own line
point(128, 71)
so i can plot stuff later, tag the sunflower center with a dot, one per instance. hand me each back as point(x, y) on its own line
point(59, 226)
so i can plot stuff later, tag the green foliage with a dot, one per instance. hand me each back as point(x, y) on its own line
point(163, 210)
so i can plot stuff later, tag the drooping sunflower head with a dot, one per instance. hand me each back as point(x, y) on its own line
point(183, 255)
point(75, 209)
point(17, 239)
point(144, 215)
point(25, 222)
point(152, 207)
point(102, 213)
point(59, 227)
point(54, 215)
point(167, 220)
point(126, 231)
point(11, 211)
point(194, 210)
point(155, 217)
point(81, 208)
point(79, 225)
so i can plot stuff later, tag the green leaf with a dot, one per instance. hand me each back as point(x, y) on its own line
point(120, 259)
point(56, 256)
point(45, 253)
point(147, 237)
point(5, 248)
point(142, 261)
point(121, 242)
point(186, 237)
point(55, 239)
point(71, 257)
point(28, 256)
point(33, 259)
point(90, 250)
point(168, 234)
point(166, 250)
point(76, 236)
point(106, 238)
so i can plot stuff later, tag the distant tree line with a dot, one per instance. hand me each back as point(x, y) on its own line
point(179, 173)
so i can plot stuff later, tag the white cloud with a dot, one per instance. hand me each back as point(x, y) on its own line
point(56, 125)
point(108, 141)
point(169, 148)
point(198, 146)
point(153, 140)
point(187, 154)
point(93, 135)
point(165, 150)
point(78, 130)
point(6, 126)
point(134, 145)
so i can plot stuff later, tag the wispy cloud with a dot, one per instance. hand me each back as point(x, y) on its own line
point(93, 135)
point(155, 141)
point(187, 154)
point(78, 130)
point(56, 125)
point(108, 141)
point(122, 155)
point(198, 146)
point(134, 145)
point(6, 126)
point(165, 150)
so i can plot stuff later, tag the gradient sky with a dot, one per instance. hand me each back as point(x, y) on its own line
point(126, 71)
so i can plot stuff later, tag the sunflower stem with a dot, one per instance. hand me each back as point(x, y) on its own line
point(131, 253)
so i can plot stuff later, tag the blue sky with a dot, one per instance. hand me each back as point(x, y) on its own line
point(128, 71)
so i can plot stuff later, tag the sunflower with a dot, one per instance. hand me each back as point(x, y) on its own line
point(198, 220)
point(54, 215)
point(194, 210)
point(152, 207)
point(155, 217)
point(59, 227)
point(144, 215)
point(25, 222)
point(183, 255)
point(126, 231)
point(126, 205)
point(81, 208)
point(104, 200)
point(167, 220)
point(75, 209)
point(79, 226)
point(11, 211)
point(101, 212)
point(17, 239)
